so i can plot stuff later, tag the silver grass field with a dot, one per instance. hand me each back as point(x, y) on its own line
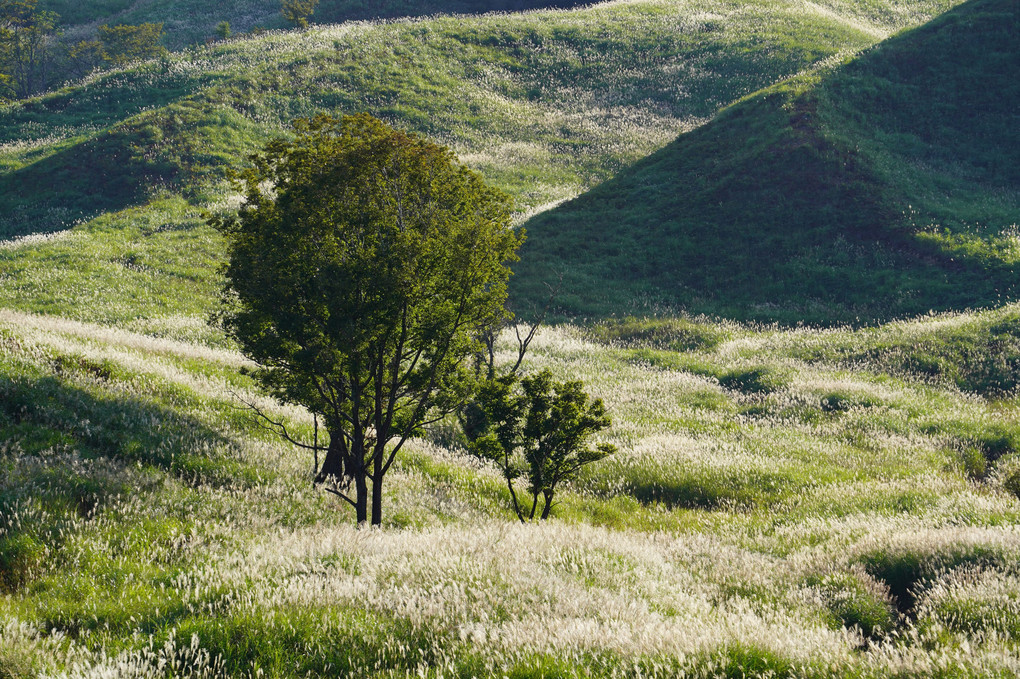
point(785, 502)
point(771, 530)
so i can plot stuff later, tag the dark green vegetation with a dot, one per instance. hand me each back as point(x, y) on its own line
point(879, 187)
point(536, 429)
point(360, 283)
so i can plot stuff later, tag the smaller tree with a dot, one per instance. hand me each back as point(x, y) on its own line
point(537, 429)
point(85, 56)
point(223, 30)
point(27, 37)
point(298, 11)
point(124, 44)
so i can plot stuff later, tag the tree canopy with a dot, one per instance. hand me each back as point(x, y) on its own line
point(364, 264)
point(26, 37)
point(538, 429)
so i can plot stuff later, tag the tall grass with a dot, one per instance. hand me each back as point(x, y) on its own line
point(824, 527)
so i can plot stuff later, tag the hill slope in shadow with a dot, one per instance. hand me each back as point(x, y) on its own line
point(882, 187)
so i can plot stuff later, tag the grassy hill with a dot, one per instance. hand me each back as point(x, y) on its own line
point(186, 22)
point(880, 187)
point(784, 502)
point(544, 104)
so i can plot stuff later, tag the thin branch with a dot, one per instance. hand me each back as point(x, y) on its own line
point(278, 427)
point(525, 342)
point(341, 496)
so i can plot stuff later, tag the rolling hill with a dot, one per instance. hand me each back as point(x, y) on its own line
point(786, 502)
point(544, 104)
point(874, 188)
point(186, 22)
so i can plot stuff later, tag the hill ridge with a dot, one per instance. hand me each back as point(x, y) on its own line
point(784, 208)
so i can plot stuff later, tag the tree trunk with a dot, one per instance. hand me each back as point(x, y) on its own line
point(377, 478)
point(548, 504)
point(333, 463)
point(361, 490)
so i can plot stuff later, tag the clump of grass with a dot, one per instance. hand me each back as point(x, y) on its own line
point(674, 334)
point(755, 379)
point(856, 599)
point(909, 573)
point(975, 463)
point(1012, 482)
point(21, 559)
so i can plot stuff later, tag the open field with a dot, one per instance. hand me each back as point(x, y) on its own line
point(778, 502)
point(837, 501)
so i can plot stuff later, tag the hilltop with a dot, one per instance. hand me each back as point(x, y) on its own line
point(870, 188)
point(186, 22)
point(543, 104)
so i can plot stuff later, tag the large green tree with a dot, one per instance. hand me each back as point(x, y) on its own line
point(364, 264)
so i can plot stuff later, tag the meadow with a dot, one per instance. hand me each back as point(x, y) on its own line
point(787, 501)
point(784, 502)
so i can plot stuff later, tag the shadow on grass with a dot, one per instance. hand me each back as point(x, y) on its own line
point(66, 453)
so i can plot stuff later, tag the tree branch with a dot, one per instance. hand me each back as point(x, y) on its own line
point(278, 427)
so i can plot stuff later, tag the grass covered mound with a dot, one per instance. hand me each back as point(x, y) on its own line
point(882, 187)
point(187, 22)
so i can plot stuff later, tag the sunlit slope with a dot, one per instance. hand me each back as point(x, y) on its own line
point(882, 187)
point(192, 21)
point(810, 503)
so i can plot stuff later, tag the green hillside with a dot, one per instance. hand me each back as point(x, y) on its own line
point(880, 187)
point(187, 22)
point(544, 104)
point(784, 502)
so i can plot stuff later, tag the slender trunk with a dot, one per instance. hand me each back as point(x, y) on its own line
point(361, 499)
point(534, 505)
point(548, 504)
point(377, 478)
point(359, 472)
point(513, 497)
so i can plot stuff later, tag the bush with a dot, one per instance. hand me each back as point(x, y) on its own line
point(755, 380)
point(1012, 483)
point(855, 599)
point(21, 559)
point(975, 464)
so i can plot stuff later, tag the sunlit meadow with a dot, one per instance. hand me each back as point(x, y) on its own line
point(784, 502)
point(826, 520)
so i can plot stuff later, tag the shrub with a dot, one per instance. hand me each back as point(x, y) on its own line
point(1012, 483)
point(755, 380)
point(21, 558)
point(975, 464)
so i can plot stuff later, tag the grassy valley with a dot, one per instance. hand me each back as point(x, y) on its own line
point(839, 500)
